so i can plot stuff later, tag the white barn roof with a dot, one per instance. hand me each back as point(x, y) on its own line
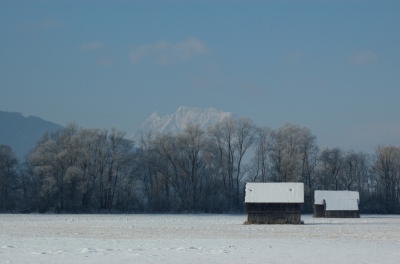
point(341, 205)
point(274, 192)
point(337, 200)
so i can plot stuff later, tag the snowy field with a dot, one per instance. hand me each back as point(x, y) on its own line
point(200, 238)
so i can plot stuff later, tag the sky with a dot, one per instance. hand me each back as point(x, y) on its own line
point(331, 66)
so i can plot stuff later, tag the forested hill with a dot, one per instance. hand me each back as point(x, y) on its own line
point(21, 133)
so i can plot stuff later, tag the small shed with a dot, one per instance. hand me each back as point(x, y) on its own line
point(336, 204)
point(274, 203)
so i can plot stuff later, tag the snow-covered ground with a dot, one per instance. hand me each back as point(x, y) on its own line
point(201, 238)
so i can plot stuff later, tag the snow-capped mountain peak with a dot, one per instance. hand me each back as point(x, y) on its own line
point(177, 121)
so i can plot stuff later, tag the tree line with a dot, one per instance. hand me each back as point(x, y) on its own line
point(78, 170)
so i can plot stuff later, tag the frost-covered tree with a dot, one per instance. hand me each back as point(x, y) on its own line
point(81, 169)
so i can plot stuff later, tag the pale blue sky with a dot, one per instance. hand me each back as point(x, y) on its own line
point(332, 66)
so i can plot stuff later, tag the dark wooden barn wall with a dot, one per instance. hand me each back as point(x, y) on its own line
point(319, 210)
point(342, 214)
point(273, 213)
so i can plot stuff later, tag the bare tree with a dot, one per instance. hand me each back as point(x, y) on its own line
point(222, 136)
point(354, 171)
point(180, 161)
point(154, 185)
point(308, 153)
point(292, 154)
point(245, 136)
point(194, 148)
point(232, 138)
point(387, 169)
point(260, 162)
point(8, 178)
point(119, 152)
point(329, 169)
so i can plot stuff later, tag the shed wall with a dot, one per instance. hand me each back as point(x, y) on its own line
point(273, 213)
point(319, 210)
point(342, 214)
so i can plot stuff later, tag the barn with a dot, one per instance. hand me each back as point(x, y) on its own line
point(336, 204)
point(274, 203)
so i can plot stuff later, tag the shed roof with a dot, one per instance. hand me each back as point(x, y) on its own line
point(341, 205)
point(274, 192)
point(320, 196)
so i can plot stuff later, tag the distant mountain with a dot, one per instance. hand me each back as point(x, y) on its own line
point(21, 133)
point(177, 121)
